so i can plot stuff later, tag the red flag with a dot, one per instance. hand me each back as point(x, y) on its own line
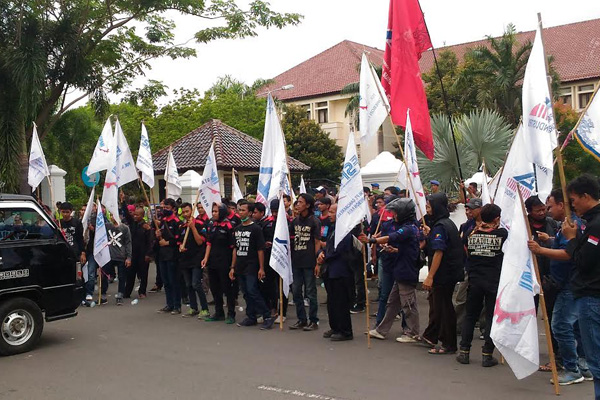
point(407, 38)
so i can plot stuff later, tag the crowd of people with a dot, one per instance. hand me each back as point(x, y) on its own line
point(226, 250)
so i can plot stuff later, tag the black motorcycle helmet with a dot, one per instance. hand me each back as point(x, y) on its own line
point(404, 209)
point(223, 211)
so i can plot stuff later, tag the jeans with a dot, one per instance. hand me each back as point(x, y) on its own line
point(91, 278)
point(386, 280)
point(305, 277)
point(170, 278)
point(255, 303)
point(119, 267)
point(563, 327)
point(588, 310)
point(478, 295)
point(193, 281)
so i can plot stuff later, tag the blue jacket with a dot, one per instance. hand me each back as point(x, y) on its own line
point(406, 239)
point(339, 260)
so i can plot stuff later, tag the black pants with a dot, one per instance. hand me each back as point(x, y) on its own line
point(268, 288)
point(442, 318)
point(138, 268)
point(339, 301)
point(359, 296)
point(221, 285)
point(479, 294)
point(158, 280)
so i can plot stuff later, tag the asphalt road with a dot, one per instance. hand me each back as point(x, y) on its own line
point(132, 352)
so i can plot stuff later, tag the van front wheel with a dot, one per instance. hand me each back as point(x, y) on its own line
point(21, 325)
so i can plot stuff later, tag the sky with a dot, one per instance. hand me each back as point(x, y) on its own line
point(328, 22)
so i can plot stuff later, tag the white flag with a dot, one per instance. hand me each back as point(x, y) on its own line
point(210, 188)
point(373, 108)
point(101, 250)
point(88, 211)
point(518, 174)
point(281, 252)
point(514, 327)
point(414, 187)
point(302, 185)
point(538, 119)
point(144, 159)
point(485, 190)
point(38, 168)
point(173, 184)
point(351, 201)
point(587, 132)
point(236, 193)
point(101, 158)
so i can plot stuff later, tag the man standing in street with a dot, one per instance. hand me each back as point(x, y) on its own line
point(141, 253)
point(168, 238)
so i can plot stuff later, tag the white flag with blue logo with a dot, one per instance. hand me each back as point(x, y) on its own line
point(538, 119)
point(38, 167)
point(514, 327)
point(373, 107)
point(101, 250)
point(415, 186)
point(144, 158)
point(281, 252)
point(210, 189)
point(587, 131)
point(101, 158)
point(352, 208)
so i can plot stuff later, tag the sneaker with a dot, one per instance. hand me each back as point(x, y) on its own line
point(190, 313)
point(463, 357)
point(566, 377)
point(298, 325)
point(89, 297)
point(587, 375)
point(291, 302)
point(155, 289)
point(214, 317)
point(267, 324)
point(260, 320)
point(278, 319)
point(488, 360)
point(338, 337)
point(203, 314)
point(247, 322)
point(119, 301)
point(327, 334)
point(230, 320)
point(176, 311)
point(356, 310)
point(164, 310)
point(103, 300)
point(373, 333)
point(313, 326)
point(185, 301)
point(406, 339)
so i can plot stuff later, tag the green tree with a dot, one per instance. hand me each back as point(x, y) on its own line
point(307, 142)
point(48, 49)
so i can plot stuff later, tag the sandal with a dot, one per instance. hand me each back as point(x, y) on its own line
point(545, 368)
point(441, 351)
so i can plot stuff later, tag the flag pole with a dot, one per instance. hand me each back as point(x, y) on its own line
point(148, 201)
point(559, 159)
point(187, 229)
point(542, 299)
point(364, 257)
point(280, 303)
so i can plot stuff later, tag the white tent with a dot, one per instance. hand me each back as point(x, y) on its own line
point(477, 178)
point(386, 170)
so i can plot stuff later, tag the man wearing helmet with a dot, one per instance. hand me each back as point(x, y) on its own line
point(403, 246)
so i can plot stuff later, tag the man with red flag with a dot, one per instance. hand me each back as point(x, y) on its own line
point(407, 38)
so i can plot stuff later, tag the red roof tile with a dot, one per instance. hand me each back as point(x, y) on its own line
point(233, 149)
point(575, 48)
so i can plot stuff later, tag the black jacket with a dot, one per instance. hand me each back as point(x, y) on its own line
point(585, 252)
point(141, 242)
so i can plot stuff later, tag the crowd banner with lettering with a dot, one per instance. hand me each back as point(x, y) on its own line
point(351, 200)
point(281, 253)
point(210, 187)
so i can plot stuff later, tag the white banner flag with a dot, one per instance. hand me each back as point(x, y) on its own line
point(210, 187)
point(302, 185)
point(538, 120)
point(518, 174)
point(101, 159)
point(351, 201)
point(373, 108)
point(415, 186)
point(281, 252)
point(236, 192)
point(38, 167)
point(173, 184)
point(101, 250)
point(485, 189)
point(514, 327)
point(587, 132)
point(88, 211)
point(144, 158)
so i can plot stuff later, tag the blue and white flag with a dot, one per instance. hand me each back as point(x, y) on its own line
point(414, 186)
point(281, 252)
point(587, 131)
point(144, 158)
point(101, 159)
point(88, 212)
point(373, 107)
point(236, 192)
point(101, 250)
point(38, 167)
point(210, 187)
point(514, 327)
point(173, 184)
point(352, 205)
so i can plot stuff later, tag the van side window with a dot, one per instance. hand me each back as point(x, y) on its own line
point(23, 224)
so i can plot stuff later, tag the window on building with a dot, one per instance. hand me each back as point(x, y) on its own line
point(322, 111)
point(566, 96)
point(307, 108)
point(585, 94)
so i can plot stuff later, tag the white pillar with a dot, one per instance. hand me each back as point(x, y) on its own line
point(57, 177)
point(190, 182)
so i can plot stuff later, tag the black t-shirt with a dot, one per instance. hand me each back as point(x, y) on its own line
point(305, 231)
point(249, 240)
point(220, 238)
point(325, 227)
point(485, 255)
point(194, 253)
point(74, 234)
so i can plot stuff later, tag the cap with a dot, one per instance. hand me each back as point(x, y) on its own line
point(434, 182)
point(474, 203)
point(274, 205)
point(375, 185)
